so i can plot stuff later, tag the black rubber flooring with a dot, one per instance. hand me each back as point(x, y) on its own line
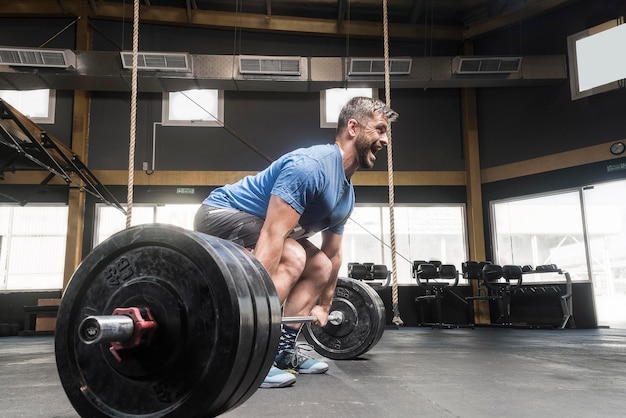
point(411, 372)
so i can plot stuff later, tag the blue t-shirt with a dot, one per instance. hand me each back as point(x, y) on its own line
point(312, 180)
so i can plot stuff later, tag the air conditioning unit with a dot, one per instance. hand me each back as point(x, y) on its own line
point(486, 65)
point(250, 64)
point(37, 57)
point(376, 66)
point(158, 61)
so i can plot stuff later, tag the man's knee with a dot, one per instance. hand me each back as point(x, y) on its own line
point(319, 267)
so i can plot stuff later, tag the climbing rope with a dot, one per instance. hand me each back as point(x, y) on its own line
point(392, 224)
point(133, 117)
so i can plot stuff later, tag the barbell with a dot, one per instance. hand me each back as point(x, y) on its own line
point(161, 321)
point(127, 327)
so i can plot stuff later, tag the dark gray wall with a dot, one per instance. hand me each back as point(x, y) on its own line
point(427, 136)
point(38, 32)
point(516, 124)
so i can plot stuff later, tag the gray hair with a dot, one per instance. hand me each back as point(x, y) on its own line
point(360, 108)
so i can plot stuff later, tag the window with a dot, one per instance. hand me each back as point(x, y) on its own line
point(549, 229)
point(193, 108)
point(541, 230)
point(422, 233)
point(110, 220)
point(605, 212)
point(596, 59)
point(332, 100)
point(32, 247)
point(37, 105)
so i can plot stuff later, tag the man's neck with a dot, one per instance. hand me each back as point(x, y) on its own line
point(350, 163)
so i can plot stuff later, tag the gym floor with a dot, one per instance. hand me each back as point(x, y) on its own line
point(481, 372)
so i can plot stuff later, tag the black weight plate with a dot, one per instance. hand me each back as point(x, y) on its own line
point(206, 326)
point(377, 327)
point(232, 254)
point(380, 326)
point(267, 329)
point(361, 329)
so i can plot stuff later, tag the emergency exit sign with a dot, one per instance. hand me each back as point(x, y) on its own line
point(615, 167)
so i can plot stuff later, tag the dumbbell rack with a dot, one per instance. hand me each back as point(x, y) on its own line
point(565, 299)
point(488, 275)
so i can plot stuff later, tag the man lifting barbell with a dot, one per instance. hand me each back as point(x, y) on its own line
point(274, 212)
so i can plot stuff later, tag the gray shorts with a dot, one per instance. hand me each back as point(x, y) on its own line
point(231, 224)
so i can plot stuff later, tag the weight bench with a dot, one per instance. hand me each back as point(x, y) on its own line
point(434, 278)
point(30, 316)
point(497, 280)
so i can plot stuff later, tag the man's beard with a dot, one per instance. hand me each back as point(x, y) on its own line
point(363, 148)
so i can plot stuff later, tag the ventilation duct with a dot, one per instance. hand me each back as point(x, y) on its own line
point(249, 64)
point(100, 71)
point(157, 61)
point(486, 65)
point(56, 58)
point(376, 66)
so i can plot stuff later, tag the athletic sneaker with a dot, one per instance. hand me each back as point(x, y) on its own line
point(293, 359)
point(277, 378)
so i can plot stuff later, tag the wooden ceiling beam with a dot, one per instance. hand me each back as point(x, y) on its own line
point(512, 16)
point(246, 21)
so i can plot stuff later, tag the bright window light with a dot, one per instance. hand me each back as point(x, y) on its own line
point(555, 233)
point(596, 58)
point(332, 100)
point(193, 108)
point(601, 58)
point(37, 105)
point(110, 220)
point(27, 232)
point(423, 232)
point(552, 235)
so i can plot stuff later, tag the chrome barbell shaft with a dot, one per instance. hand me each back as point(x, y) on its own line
point(119, 328)
point(335, 318)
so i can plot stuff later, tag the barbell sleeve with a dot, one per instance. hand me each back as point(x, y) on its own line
point(106, 328)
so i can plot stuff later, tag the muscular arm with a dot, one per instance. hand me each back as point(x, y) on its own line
point(331, 246)
point(280, 220)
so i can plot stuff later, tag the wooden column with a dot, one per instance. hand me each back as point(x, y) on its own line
point(80, 141)
point(472, 174)
point(475, 224)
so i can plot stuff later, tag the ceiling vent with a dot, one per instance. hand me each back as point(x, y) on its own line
point(269, 65)
point(57, 58)
point(157, 61)
point(486, 65)
point(376, 66)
